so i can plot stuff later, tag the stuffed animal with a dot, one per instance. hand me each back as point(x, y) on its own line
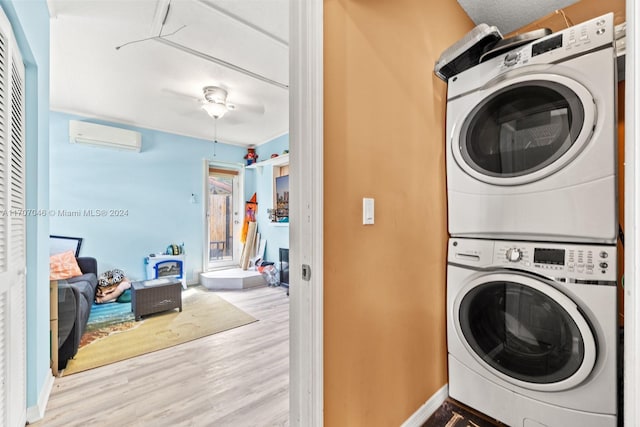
point(251, 156)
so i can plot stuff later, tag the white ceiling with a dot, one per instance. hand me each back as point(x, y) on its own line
point(155, 83)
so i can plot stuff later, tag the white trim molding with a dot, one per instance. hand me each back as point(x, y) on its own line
point(36, 413)
point(428, 408)
point(305, 208)
point(632, 218)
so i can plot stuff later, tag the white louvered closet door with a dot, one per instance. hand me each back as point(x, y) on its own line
point(12, 232)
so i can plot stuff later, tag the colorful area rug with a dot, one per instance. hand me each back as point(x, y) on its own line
point(106, 319)
point(112, 334)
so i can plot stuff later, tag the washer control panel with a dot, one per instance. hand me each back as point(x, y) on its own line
point(550, 259)
point(556, 260)
point(514, 254)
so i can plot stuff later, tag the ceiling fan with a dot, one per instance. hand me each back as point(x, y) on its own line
point(215, 101)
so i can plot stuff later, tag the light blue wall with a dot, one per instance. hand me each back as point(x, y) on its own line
point(264, 151)
point(30, 22)
point(249, 183)
point(152, 187)
point(275, 146)
point(277, 236)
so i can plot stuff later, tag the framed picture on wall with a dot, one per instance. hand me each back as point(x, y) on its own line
point(59, 244)
point(282, 198)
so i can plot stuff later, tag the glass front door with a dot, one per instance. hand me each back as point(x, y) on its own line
point(223, 217)
point(521, 332)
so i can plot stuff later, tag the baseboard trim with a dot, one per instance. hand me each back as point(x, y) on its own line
point(36, 413)
point(428, 408)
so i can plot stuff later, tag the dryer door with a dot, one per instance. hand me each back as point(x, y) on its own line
point(525, 331)
point(524, 129)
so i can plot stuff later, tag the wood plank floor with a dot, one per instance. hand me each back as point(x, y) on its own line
point(234, 378)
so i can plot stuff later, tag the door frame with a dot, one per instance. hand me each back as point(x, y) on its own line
point(239, 204)
point(306, 212)
point(632, 218)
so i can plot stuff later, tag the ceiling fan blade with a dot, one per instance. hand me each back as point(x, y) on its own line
point(257, 109)
point(232, 119)
point(181, 95)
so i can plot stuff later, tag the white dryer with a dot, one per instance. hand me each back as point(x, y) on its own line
point(532, 331)
point(531, 141)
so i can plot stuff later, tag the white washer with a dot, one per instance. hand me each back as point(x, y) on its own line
point(532, 331)
point(531, 141)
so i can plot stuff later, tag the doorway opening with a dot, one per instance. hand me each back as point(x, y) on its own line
point(223, 207)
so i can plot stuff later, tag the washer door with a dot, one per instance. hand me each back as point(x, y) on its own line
point(524, 129)
point(525, 331)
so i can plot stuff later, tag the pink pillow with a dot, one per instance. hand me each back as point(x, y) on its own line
point(63, 266)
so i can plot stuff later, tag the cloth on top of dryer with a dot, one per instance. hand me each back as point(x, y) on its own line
point(466, 52)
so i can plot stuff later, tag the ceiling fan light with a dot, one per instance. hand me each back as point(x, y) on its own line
point(215, 94)
point(215, 109)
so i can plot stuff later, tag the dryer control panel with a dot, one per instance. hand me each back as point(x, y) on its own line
point(584, 38)
point(563, 262)
point(578, 39)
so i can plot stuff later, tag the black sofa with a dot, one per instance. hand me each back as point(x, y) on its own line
point(75, 298)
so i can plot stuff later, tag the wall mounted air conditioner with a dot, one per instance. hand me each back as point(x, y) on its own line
point(104, 136)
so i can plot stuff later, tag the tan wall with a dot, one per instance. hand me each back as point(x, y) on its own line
point(385, 329)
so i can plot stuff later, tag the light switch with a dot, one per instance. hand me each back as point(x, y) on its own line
point(367, 211)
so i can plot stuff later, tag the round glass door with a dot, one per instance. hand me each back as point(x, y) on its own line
point(524, 333)
point(520, 131)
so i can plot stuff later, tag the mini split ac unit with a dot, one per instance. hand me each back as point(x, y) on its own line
point(104, 136)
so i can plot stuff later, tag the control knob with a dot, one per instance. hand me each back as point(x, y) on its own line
point(514, 254)
point(511, 58)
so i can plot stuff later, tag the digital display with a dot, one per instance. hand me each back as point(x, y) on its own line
point(546, 45)
point(548, 256)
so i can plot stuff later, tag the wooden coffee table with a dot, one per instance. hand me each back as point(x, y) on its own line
point(156, 295)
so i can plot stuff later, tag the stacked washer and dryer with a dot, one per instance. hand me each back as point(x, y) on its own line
point(531, 277)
